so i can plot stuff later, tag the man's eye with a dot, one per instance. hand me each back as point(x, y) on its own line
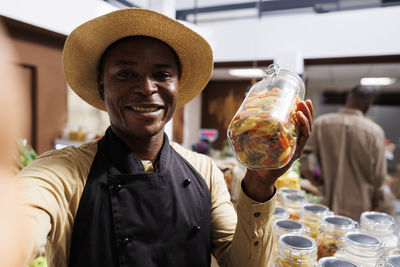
point(126, 74)
point(163, 75)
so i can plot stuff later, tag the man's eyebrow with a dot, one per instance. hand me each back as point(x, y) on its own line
point(163, 66)
point(122, 62)
point(125, 62)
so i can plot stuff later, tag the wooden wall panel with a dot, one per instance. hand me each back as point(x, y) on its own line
point(221, 100)
point(41, 50)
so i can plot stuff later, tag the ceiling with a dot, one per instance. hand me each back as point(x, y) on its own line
point(338, 77)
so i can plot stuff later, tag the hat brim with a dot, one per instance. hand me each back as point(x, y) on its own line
point(87, 43)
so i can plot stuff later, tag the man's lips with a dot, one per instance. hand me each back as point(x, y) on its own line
point(144, 108)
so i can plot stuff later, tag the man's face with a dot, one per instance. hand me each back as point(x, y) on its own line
point(140, 83)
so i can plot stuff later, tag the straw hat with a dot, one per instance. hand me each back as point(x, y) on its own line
point(87, 43)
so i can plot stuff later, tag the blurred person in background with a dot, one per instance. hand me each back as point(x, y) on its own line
point(349, 149)
point(134, 198)
point(13, 228)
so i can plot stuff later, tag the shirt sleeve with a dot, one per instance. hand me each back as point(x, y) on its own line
point(51, 187)
point(245, 239)
point(379, 164)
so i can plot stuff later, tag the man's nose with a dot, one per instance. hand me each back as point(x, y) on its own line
point(146, 86)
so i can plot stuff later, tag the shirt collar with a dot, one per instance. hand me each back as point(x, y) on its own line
point(127, 161)
point(351, 111)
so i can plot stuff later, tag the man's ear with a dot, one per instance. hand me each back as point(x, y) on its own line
point(100, 86)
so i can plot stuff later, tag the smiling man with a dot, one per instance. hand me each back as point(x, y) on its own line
point(134, 198)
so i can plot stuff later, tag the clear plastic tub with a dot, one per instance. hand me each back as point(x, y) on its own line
point(263, 132)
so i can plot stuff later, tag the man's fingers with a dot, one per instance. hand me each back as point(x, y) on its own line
point(307, 110)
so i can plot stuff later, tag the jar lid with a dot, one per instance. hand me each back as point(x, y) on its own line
point(280, 214)
point(315, 209)
point(361, 239)
point(373, 221)
point(339, 222)
point(295, 198)
point(297, 241)
point(334, 262)
point(279, 211)
point(288, 225)
point(288, 190)
point(394, 261)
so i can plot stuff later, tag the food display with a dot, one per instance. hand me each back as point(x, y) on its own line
point(332, 231)
point(312, 215)
point(296, 250)
point(263, 133)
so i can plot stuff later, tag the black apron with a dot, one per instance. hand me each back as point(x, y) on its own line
point(127, 217)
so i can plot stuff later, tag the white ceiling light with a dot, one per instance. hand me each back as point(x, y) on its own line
point(248, 73)
point(377, 81)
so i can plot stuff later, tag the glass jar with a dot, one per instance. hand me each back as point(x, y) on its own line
point(280, 214)
point(282, 227)
point(334, 262)
point(296, 250)
point(361, 249)
point(287, 190)
point(380, 225)
point(331, 234)
point(392, 261)
point(263, 132)
point(294, 204)
point(287, 226)
point(312, 215)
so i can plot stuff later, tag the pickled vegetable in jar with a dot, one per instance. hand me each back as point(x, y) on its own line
point(361, 249)
point(334, 262)
point(280, 214)
point(294, 204)
point(312, 215)
point(296, 250)
point(263, 132)
point(380, 225)
point(331, 234)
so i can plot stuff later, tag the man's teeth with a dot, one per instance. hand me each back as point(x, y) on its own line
point(141, 109)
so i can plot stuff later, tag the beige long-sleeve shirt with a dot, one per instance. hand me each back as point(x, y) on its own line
point(349, 150)
point(53, 185)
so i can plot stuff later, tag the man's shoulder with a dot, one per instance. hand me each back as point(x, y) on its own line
point(70, 155)
point(189, 155)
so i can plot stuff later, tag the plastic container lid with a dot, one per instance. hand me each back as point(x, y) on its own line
point(279, 211)
point(339, 222)
point(288, 225)
point(297, 241)
point(334, 262)
point(393, 261)
point(315, 208)
point(373, 222)
point(361, 239)
point(295, 198)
